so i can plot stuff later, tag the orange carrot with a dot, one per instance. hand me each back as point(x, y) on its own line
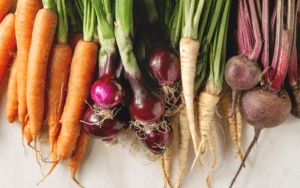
point(78, 154)
point(59, 65)
point(25, 16)
point(7, 42)
point(82, 72)
point(27, 132)
point(42, 38)
point(5, 6)
point(12, 95)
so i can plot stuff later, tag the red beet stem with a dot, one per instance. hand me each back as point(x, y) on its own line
point(293, 68)
point(257, 34)
point(286, 46)
point(265, 31)
point(259, 12)
point(240, 28)
point(278, 37)
point(283, 62)
point(273, 21)
point(293, 64)
point(248, 22)
point(246, 31)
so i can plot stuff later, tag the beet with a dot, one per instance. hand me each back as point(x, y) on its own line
point(157, 141)
point(164, 65)
point(110, 128)
point(262, 109)
point(240, 74)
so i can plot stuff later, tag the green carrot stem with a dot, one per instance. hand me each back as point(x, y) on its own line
point(62, 28)
point(89, 21)
point(49, 4)
point(80, 8)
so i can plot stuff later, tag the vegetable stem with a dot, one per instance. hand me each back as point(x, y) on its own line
point(88, 21)
point(122, 34)
point(62, 22)
point(49, 4)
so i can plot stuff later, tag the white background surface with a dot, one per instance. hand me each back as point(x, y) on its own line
point(273, 163)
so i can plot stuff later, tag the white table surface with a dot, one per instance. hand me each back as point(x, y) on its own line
point(273, 163)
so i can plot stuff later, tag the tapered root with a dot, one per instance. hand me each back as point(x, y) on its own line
point(256, 136)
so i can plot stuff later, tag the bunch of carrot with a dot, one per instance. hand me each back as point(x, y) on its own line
point(44, 69)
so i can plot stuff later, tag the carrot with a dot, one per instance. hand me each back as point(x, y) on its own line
point(188, 56)
point(27, 132)
point(184, 136)
point(82, 69)
point(7, 42)
point(25, 16)
point(5, 6)
point(11, 109)
point(42, 38)
point(57, 79)
point(81, 75)
point(59, 64)
point(78, 154)
point(162, 168)
point(55, 161)
point(169, 154)
point(213, 151)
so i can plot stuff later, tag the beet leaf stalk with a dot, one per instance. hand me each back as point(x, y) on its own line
point(146, 106)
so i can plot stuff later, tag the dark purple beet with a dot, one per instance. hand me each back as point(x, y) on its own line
point(146, 105)
point(240, 74)
point(107, 92)
point(262, 109)
point(164, 65)
point(157, 140)
point(109, 128)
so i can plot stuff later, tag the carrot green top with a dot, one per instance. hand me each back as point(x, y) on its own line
point(49, 4)
point(62, 22)
point(89, 21)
